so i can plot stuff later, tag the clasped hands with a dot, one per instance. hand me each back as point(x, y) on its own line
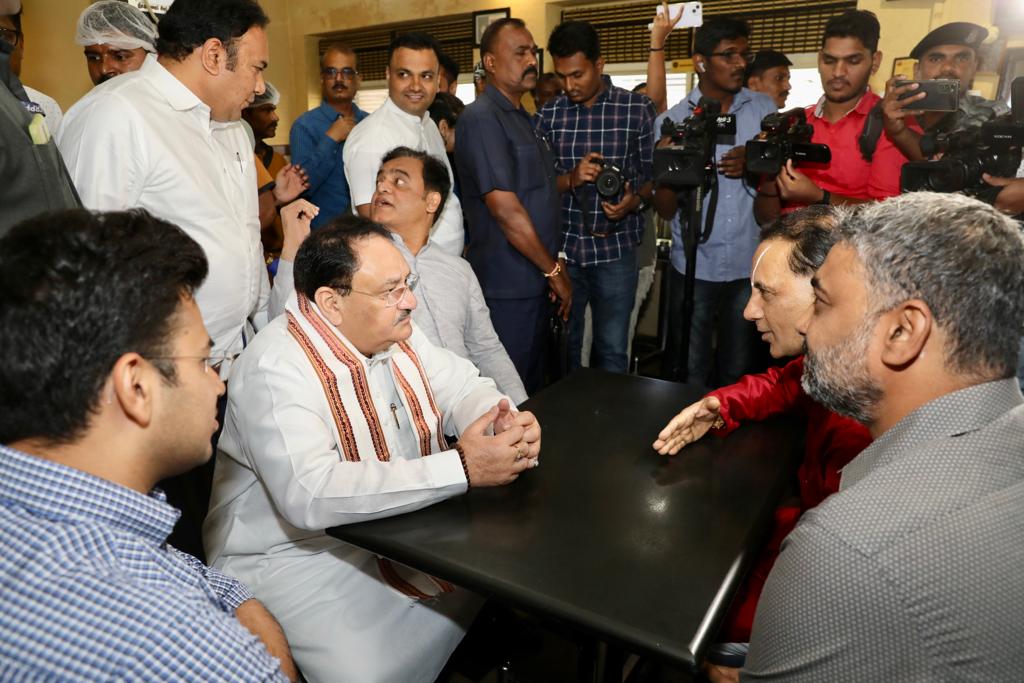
point(499, 458)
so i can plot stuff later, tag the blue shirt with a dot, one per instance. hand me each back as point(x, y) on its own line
point(320, 157)
point(619, 125)
point(496, 148)
point(89, 590)
point(734, 234)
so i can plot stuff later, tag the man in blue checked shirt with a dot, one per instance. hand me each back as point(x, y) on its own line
point(720, 56)
point(593, 125)
point(109, 387)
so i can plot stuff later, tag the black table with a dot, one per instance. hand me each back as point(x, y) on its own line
point(645, 550)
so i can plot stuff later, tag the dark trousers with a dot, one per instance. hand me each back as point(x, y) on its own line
point(610, 289)
point(522, 326)
point(723, 345)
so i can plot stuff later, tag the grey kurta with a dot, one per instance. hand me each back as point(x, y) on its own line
point(914, 571)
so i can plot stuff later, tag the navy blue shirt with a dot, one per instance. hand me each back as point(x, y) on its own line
point(320, 157)
point(619, 125)
point(496, 148)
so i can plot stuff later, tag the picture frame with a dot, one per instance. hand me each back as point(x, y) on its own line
point(484, 18)
point(904, 66)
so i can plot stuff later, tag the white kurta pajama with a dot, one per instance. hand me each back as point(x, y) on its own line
point(311, 441)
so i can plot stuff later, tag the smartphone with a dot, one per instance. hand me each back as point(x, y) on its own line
point(940, 95)
point(693, 14)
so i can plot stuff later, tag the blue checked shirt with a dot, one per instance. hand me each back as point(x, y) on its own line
point(619, 125)
point(89, 591)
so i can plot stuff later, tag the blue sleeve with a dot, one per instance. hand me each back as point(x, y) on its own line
point(231, 591)
point(315, 152)
point(482, 155)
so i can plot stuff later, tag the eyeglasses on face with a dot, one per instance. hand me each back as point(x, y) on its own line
point(10, 35)
point(732, 55)
point(210, 363)
point(394, 296)
point(330, 73)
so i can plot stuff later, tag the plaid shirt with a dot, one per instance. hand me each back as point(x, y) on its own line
point(89, 590)
point(619, 125)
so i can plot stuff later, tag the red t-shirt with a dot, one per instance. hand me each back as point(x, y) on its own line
point(848, 173)
point(831, 441)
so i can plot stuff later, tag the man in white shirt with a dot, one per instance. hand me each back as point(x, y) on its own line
point(411, 190)
point(168, 138)
point(337, 414)
point(403, 121)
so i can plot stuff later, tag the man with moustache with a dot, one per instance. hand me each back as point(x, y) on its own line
point(340, 416)
point(769, 74)
point(948, 52)
point(509, 186)
point(848, 57)
point(721, 54)
point(403, 121)
point(911, 572)
point(593, 124)
point(318, 137)
point(411, 191)
point(169, 139)
point(116, 37)
point(791, 250)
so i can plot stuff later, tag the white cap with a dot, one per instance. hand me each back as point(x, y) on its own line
point(115, 23)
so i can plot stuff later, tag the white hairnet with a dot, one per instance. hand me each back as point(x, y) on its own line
point(9, 7)
point(269, 96)
point(115, 23)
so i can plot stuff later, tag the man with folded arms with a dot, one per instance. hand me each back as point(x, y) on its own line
point(109, 387)
point(911, 572)
point(411, 191)
point(338, 414)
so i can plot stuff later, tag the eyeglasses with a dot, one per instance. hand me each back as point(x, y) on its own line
point(330, 73)
point(731, 55)
point(393, 296)
point(210, 363)
point(10, 35)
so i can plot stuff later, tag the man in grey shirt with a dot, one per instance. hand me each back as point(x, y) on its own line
point(914, 570)
point(410, 195)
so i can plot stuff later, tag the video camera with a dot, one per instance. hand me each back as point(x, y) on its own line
point(993, 148)
point(784, 135)
point(685, 163)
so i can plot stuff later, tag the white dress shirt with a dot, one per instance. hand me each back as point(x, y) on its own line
point(381, 132)
point(144, 139)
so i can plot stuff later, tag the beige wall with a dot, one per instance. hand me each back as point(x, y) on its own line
point(55, 65)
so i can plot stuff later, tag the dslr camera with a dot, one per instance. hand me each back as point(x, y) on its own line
point(685, 162)
point(609, 181)
point(993, 148)
point(784, 135)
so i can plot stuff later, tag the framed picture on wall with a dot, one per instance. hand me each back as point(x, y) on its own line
point(904, 66)
point(483, 19)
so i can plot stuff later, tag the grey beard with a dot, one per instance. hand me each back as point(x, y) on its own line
point(837, 378)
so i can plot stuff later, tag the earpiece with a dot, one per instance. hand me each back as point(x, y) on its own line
point(700, 67)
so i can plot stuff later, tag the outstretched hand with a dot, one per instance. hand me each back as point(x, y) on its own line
point(689, 425)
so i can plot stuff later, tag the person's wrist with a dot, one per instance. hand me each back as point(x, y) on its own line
point(462, 458)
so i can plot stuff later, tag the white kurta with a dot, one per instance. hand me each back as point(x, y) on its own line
point(381, 132)
point(281, 480)
point(143, 139)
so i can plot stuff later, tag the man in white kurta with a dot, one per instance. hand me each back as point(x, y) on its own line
point(403, 121)
point(323, 429)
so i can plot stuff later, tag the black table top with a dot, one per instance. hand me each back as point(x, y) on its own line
point(607, 534)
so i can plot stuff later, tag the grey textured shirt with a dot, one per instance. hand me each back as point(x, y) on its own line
point(914, 571)
point(452, 312)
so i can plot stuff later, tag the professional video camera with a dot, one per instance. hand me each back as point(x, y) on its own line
point(686, 162)
point(784, 135)
point(993, 148)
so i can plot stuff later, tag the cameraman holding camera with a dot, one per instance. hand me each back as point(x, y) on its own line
point(603, 140)
point(949, 52)
point(848, 57)
point(721, 55)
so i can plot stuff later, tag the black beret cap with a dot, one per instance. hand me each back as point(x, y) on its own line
point(956, 33)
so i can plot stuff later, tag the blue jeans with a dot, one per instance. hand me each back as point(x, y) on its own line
point(610, 289)
point(720, 338)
